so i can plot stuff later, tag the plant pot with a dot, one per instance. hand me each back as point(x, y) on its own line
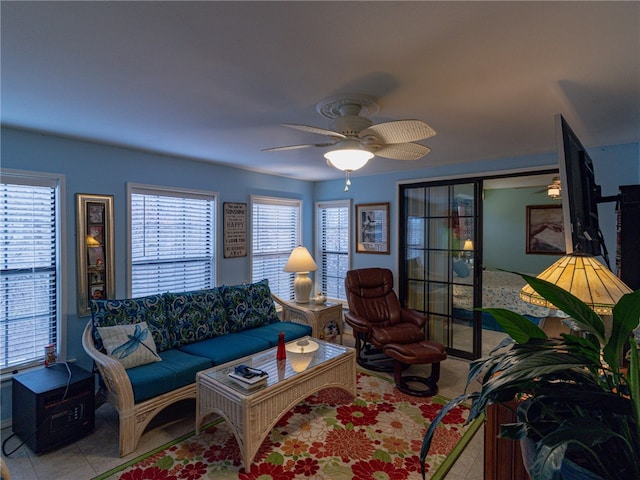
point(569, 470)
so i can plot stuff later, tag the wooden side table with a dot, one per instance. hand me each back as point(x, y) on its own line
point(502, 456)
point(320, 317)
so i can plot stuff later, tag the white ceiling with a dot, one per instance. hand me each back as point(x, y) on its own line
point(214, 80)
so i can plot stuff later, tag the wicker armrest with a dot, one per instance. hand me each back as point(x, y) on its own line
point(279, 302)
point(112, 372)
point(292, 314)
point(297, 315)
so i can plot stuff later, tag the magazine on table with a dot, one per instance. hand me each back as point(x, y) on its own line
point(248, 377)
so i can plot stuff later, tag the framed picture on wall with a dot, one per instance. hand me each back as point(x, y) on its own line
point(235, 229)
point(545, 231)
point(95, 249)
point(372, 228)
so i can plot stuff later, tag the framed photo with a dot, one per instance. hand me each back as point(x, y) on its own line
point(235, 229)
point(545, 230)
point(372, 228)
point(96, 276)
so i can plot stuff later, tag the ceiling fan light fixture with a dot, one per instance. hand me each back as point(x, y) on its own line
point(349, 156)
point(554, 189)
point(348, 159)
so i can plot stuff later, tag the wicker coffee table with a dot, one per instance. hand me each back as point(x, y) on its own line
point(252, 415)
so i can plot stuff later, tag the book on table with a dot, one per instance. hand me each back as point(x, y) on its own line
point(249, 378)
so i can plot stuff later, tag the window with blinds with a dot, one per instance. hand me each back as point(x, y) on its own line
point(172, 240)
point(332, 257)
point(275, 232)
point(29, 302)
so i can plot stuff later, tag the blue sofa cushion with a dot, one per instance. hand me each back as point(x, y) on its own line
point(150, 309)
point(220, 350)
point(270, 332)
point(249, 306)
point(176, 370)
point(196, 316)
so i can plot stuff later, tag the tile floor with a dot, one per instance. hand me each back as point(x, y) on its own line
point(98, 452)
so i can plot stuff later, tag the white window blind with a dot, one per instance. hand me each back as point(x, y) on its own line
point(333, 247)
point(29, 292)
point(275, 233)
point(172, 240)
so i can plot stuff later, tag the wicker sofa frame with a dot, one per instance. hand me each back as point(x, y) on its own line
point(118, 390)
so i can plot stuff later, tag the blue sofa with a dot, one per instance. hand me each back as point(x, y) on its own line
point(190, 331)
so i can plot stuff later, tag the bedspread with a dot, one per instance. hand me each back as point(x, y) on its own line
point(499, 290)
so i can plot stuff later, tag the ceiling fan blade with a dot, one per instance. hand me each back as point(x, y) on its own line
point(403, 151)
point(295, 147)
point(399, 131)
point(289, 147)
point(310, 129)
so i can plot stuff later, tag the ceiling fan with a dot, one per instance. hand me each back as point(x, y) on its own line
point(554, 189)
point(353, 137)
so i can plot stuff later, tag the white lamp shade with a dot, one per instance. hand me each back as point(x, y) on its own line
point(300, 260)
point(300, 354)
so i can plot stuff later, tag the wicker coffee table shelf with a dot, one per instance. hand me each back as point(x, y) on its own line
point(252, 415)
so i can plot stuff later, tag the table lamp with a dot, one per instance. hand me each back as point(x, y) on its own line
point(584, 277)
point(301, 262)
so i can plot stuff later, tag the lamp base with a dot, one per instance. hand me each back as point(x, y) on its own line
point(302, 287)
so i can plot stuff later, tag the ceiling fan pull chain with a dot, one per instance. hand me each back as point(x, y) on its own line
point(348, 182)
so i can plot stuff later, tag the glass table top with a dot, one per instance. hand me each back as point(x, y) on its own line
point(279, 370)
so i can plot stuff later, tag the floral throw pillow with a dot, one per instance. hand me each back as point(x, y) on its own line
point(132, 345)
point(249, 306)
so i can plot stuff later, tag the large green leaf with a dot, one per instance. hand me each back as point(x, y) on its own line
point(525, 369)
point(584, 402)
point(626, 317)
point(583, 346)
point(517, 326)
point(633, 381)
point(586, 318)
point(514, 431)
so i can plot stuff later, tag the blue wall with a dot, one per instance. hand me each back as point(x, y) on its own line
point(101, 169)
point(105, 170)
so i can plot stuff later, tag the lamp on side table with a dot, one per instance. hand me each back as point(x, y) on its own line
point(301, 262)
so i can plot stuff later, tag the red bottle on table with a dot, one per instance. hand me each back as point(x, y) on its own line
point(281, 352)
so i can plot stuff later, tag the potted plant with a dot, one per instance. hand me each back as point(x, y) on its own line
point(578, 396)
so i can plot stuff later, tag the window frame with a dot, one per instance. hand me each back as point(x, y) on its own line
point(161, 190)
point(268, 200)
point(318, 252)
point(58, 183)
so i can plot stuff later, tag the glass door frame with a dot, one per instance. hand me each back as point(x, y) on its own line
point(478, 180)
point(476, 233)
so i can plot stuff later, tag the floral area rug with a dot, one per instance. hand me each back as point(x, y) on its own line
point(377, 435)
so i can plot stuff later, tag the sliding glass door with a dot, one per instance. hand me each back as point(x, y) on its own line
point(439, 235)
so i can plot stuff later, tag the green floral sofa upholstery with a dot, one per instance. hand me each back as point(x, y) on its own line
point(176, 335)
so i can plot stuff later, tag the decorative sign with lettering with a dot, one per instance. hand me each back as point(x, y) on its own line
point(235, 229)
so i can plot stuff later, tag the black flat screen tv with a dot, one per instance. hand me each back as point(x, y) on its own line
point(580, 194)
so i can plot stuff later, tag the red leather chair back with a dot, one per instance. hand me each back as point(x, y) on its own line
point(370, 295)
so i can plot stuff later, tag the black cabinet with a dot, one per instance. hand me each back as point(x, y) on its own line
point(628, 258)
point(53, 406)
